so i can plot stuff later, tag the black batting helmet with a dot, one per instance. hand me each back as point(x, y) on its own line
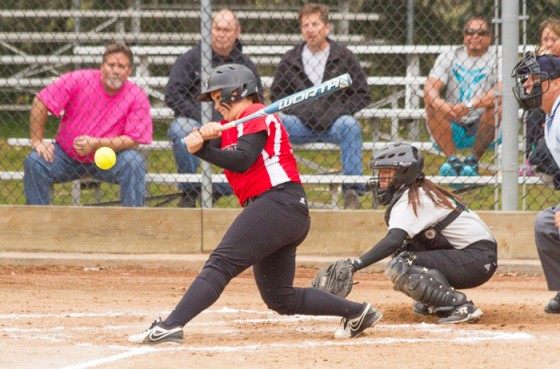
point(408, 162)
point(236, 82)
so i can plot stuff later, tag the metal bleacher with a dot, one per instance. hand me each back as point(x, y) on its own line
point(159, 51)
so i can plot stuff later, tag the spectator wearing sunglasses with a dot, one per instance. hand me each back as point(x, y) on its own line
point(464, 118)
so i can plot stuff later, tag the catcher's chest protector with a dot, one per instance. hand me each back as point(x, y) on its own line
point(431, 238)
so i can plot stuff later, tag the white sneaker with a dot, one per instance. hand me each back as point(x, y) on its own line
point(546, 178)
point(352, 328)
point(158, 334)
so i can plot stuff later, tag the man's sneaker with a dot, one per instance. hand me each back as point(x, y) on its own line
point(352, 328)
point(470, 166)
point(351, 200)
point(157, 333)
point(467, 312)
point(188, 199)
point(553, 306)
point(419, 308)
point(527, 170)
point(452, 167)
point(546, 178)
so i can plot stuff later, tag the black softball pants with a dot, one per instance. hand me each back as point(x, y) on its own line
point(265, 235)
point(465, 268)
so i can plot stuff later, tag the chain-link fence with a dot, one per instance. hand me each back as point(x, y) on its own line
point(424, 72)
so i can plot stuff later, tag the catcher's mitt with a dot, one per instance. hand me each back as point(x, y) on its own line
point(336, 278)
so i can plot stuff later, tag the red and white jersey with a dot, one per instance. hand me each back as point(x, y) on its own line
point(275, 165)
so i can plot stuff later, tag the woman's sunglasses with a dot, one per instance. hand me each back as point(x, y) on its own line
point(479, 32)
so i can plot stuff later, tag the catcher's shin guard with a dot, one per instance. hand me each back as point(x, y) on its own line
point(422, 284)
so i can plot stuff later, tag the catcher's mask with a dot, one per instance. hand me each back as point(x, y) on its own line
point(235, 80)
point(540, 69)
point(408, 163)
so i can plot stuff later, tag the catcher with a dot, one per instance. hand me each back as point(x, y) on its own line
point(438, 245)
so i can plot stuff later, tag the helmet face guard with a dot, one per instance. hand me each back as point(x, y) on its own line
point(383, 195)
point(407, 162)
point(529, 95)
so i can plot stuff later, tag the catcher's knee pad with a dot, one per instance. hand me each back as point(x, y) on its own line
point(422, 284)
point(399, 265)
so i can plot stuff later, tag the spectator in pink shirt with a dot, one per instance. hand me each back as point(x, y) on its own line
point(98, 108)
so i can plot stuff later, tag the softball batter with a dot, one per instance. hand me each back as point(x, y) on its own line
point(259, 165)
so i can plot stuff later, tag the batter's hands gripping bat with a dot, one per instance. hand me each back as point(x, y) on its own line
point(312, 93)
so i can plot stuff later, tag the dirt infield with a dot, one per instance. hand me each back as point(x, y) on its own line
point(72, 317)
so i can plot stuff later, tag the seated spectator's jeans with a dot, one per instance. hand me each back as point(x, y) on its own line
point(186, 162)
point(345, 131)
point(39, 175)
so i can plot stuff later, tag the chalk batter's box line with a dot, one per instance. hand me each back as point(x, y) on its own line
point(486, 336)
point(461, 335)
point(273, 318)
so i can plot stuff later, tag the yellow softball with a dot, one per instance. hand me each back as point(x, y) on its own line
point(105, 158)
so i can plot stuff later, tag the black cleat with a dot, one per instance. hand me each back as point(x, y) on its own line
point(157, 333)
point(553, 306)
point(467, 312)
point(419, 308)
point(352, 328)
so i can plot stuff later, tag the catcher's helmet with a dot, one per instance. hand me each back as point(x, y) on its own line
point(408, 162)
point(541, 68)
point(235, 80)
